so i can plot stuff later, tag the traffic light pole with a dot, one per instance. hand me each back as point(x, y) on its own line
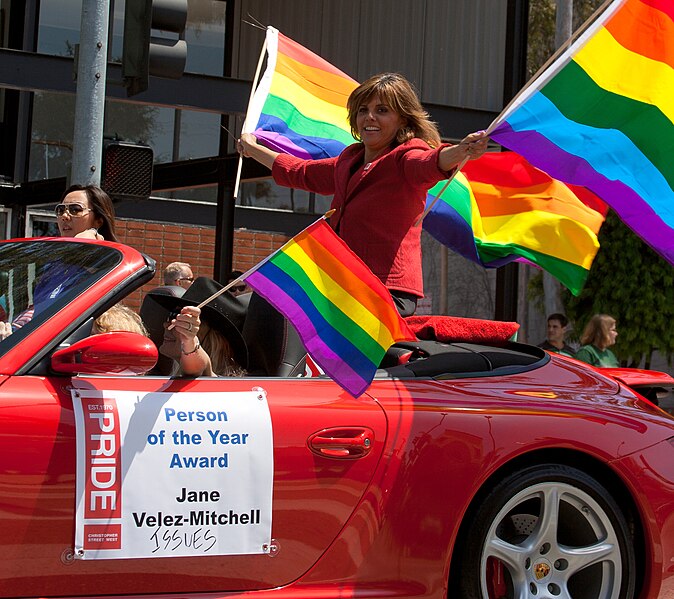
point(90, 95)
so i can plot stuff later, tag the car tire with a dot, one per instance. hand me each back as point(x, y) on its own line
point(548, 531)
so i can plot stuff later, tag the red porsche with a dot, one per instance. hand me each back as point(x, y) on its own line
point(465, 470)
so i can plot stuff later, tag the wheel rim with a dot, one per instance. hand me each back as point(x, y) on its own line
point(551, 540)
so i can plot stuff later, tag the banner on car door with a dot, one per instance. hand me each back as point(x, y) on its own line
point(172, 474)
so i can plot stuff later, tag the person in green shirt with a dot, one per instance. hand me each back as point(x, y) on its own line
point(599, 334)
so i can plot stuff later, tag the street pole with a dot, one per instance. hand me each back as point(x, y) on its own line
point(90, 95)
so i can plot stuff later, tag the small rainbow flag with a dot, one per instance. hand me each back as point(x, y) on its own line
point(499, 208)
point(299, 106)
point(602, 116)
point(344, 315)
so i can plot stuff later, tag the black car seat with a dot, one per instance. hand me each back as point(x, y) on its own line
point(274, 347)
point(154, 315)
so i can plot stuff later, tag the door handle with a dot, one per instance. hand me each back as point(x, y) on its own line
point(342, 442)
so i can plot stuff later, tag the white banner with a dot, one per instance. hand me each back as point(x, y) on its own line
point(172, 474)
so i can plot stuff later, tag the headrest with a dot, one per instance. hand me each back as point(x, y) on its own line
point(452, 329)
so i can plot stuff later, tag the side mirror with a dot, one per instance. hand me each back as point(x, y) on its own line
point(119, 353)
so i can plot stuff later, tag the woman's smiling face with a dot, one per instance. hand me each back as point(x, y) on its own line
point(378, 124)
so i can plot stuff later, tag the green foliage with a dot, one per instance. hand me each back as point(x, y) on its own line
point(542, 14)
point(629, 281)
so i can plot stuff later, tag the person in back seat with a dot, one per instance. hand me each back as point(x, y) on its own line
point(207, 341)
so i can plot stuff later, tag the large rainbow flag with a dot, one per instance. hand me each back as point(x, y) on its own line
point(500, 208)
point(602, 116)
point(299, 105)
point(344, 315)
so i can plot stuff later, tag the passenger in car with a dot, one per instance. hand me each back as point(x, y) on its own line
point(207, 341)
point(119, 318)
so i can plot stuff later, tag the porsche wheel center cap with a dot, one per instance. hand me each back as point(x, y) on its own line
point(542, 569)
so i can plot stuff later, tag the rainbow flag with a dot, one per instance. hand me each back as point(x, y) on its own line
point(344, 315)
point(299, 106)
point(500, 208)
point(602, 116)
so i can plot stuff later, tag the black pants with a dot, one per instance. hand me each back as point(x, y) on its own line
point(405, 302)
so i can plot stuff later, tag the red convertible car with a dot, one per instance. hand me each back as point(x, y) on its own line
point(464, 471)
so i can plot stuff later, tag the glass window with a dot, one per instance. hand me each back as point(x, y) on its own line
point(59, 26)
point(4, 222)
point(51, 146)
point(38, 278)
point(52, 138)
point(206, 194)
point(204, 34)
point(59, 31)
point(41, 223)
point(264, 193)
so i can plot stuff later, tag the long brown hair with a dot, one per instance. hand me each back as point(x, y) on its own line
point(598, 331)
point(397, 92)
point(220, 351)
point(102, 206)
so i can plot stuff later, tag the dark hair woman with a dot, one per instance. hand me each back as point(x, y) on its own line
point(86, 211)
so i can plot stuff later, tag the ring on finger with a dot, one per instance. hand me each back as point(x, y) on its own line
point(189, 326)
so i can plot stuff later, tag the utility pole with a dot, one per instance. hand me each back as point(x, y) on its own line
point(563, 31)
point(92, 59)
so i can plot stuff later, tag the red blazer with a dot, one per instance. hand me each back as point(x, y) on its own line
point(377, 204)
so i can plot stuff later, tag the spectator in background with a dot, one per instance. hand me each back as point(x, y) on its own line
point(599, 334)
point(241, 287)
point(554, 342)
point(178, 274)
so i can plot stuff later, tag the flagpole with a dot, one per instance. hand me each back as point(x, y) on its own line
point(256, 80)
point(559, 52)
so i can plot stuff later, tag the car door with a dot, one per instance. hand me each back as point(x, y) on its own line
point(326, 445)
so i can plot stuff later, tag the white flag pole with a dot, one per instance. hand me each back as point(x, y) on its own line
point(256, 79)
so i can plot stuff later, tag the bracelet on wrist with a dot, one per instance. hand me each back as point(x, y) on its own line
point(189, 353)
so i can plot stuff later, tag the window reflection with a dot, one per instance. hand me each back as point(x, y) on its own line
point(204, 33)
point(4, 222)
point(205, 36)
point(191, 135)
point(264, 193)
point(59, 28)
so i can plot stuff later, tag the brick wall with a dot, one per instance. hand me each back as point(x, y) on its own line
point(168, 243)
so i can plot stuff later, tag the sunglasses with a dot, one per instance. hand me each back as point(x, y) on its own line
point(238, 288)
point(74, 210)
point(190, 279)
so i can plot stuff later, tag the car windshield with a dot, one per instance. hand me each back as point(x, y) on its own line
point(38, 278)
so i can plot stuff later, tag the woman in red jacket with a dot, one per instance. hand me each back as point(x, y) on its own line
point(379, 184)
